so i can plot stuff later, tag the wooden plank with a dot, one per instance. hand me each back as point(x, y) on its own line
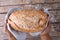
point(3, 34)
point(17, 2)
point(14, 2)
point(5, 9)
point(37, 6)
point(56, 38)
point(2, 17)
point(52, 1)
point(54, 33)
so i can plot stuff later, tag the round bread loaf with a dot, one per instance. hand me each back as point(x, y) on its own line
point(28, 20)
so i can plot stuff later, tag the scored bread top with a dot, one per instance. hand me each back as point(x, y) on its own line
point(29, 20)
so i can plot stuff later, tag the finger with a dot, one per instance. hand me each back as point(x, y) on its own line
point(5, 26)
point(48, 28)
point(5, 23)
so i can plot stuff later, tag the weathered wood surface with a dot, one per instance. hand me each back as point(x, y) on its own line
point(54, 5)
point(5, 5)
point(14, 2)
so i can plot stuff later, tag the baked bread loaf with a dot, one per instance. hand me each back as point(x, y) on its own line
point(29, 20)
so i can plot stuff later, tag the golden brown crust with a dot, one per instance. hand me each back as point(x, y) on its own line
point(29, 20)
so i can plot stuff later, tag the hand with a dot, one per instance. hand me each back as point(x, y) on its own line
point(5, 26)
point(47, 31)
point(45, 35)
point(11, 37)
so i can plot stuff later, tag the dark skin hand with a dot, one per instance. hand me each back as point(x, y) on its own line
point(11, 37)
point(44, 36)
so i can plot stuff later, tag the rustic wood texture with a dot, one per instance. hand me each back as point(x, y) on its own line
point(54, 6)
point(5, 8)
point(14, 2)
point(7, 4)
